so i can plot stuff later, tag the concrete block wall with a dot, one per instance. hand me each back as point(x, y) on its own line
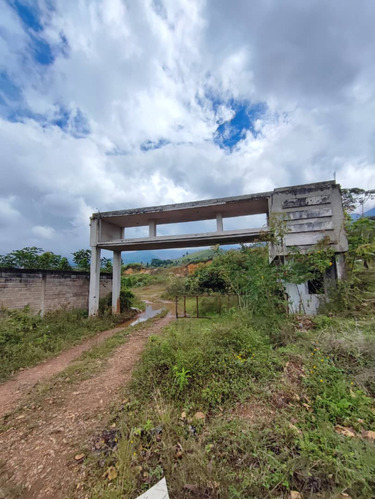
point(48, 290)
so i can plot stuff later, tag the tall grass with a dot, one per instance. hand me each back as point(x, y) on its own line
point(27, 339)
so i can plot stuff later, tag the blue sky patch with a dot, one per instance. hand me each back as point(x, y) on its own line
point(72, 122)
point(230, 133)
point(148, 145)
point(28, 13)
point(8, 90)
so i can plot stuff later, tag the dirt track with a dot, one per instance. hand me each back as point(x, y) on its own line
point(37, 451)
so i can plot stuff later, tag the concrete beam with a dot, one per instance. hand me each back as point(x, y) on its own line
point(186, 240)
point(116, 282)
point(185, 212)
point(94, 281)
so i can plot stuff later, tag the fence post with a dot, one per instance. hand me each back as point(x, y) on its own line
point(176, 307)
point(197, 306)
point(184, 306)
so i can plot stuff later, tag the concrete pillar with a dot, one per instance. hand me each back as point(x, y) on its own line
point(116, 282)
point(94, 281)
point(219, 223)
point(340, 266)
point(152, 228)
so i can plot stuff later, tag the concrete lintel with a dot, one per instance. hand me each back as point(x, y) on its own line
point(186, 240)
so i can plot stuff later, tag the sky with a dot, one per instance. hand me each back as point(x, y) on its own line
point(115, 104)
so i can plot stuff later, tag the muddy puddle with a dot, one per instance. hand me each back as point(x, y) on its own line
point(150, 311)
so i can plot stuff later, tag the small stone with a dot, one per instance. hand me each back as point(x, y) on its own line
point(200, 415)
point(369, 435)
point(294, 494)
point(79, 457)
point(178, 454)
point(183, 415)
point(345, 431)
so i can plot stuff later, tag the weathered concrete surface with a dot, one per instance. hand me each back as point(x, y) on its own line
point(312, 212)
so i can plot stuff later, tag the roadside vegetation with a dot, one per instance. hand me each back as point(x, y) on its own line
point(254, 402)
point(27, 339)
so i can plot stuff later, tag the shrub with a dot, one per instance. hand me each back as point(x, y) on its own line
point(126, 297)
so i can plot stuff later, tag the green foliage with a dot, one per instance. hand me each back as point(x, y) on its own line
point(26, 339)
point(301, 267)
point(138, 280)
point(82, 259)
point(126, 299)
point(356, 197)
point(161, 263)
point(133, 265)
point(207, 279)
point(361, 238)
point(176, 286)
point(295, 396)
point(34, 258)
point(182, 377)
point(206, 366)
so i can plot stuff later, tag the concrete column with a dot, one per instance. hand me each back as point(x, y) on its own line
point(94, 281)
point(116, 282)
point(152, 228)
point(219, 223)
point(340, 266)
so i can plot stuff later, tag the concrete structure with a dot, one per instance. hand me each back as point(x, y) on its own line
point(311, 212)
point(45, 291)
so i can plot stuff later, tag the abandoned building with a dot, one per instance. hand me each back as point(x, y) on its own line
point(311, 212)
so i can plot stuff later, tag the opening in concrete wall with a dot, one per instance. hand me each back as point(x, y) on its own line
point(207, 226)
point(244, 222)
point(136, 232)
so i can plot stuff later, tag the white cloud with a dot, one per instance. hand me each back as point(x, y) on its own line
point(153, 80)
point(44, 232)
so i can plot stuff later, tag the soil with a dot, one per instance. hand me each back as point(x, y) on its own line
point(42, 438)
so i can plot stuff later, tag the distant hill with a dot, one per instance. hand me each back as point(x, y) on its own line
point(146, 256)
point(200, 256)
point(368, 213)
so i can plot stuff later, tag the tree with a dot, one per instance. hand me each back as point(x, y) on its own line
point(34, 258)
point(82, 259)
point(106, 265)
point(356, 198)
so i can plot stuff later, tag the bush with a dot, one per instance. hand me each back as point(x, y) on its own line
point(126, 297)
point(205, 366)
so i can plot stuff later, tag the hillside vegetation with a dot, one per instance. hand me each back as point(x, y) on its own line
point(255, 403)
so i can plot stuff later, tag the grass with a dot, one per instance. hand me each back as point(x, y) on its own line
point(229, 409)
point(27, 339)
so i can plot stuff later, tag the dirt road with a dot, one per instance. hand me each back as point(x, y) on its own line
point(39, 443)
